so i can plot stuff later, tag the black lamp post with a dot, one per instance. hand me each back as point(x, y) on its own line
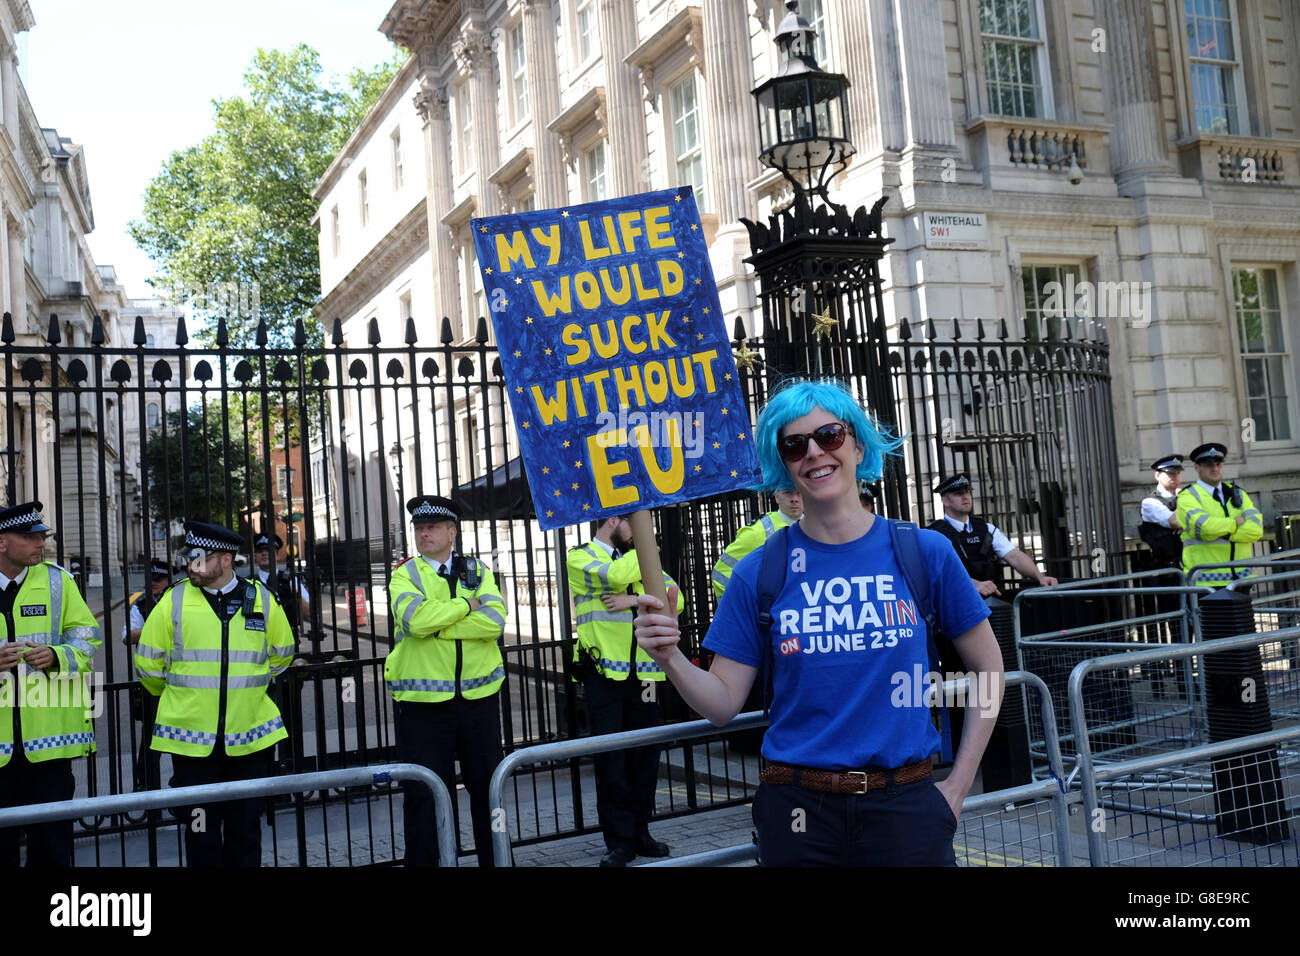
point(803, 116)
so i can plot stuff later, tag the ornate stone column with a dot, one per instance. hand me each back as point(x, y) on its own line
point(15, 238)
point(9, 81)
point(1138, 141)
point(544, 97)
point(732, 134)
point(477, 60)
point(626, 114)
point(431, 103)
point(927, 104)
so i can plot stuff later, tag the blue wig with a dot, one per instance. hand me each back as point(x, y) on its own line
point(795, 399)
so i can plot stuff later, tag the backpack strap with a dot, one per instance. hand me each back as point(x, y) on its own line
point(775, 561)
point(911, 561)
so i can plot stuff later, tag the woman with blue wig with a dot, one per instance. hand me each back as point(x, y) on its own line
point(849, 751)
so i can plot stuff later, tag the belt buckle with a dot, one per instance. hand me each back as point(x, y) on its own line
point(859, 773)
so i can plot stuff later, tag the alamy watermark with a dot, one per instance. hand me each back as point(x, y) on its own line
point(652, 430)
point(81, 691)
point(975, 690)
point(231, 300)
point(1098, 300)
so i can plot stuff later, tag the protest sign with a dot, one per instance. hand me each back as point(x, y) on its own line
point(616, 356)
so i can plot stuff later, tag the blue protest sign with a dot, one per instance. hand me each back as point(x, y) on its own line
point(616, 356)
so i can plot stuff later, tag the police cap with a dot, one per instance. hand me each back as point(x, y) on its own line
point(1209, 453)
point(429, 509)
point(1168, 463)
point(263, 541)
point(23, 519)
point(955, 484)
point(159, 569)
point(201, 536)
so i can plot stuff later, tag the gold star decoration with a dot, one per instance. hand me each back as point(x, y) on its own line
point(519, 280)
point(529, 320)
point(741, 436)
point(697, 281)
point(586, 507)
point(823, 323)
point(727, 376)
point(694, 226)
point(519, 390)
point(706, 310)
point(686, 320)
point(681, 255)
point(518, 353)
point(548, 352)
point(724, 411)
point(700, 336)
point(565, 214)
point(483, 229)
point(575, 486)
point(745, 356)
point(566, 444)
point(697, 467)
point(716, 445)
point(488, 270)
point(557, 492)
point(733, 473)
point(546, 471)
point(527, 424)
point(576, 464)
point(503, 301)
point(549, 513)
point(677, 199)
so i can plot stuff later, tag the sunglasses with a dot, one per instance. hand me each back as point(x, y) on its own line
point(828, 437)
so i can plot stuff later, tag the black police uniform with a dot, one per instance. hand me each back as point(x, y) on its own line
point(144, 706)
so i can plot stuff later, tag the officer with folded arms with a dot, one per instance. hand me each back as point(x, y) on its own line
point(1219, 521)
point(1159, 528)
point(48, 640)
point(208, 652)
point(284, 587)
point(444, 673)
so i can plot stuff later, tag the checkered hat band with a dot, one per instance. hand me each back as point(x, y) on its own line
point(32, 517)
point(207, 544)
point(426, 510)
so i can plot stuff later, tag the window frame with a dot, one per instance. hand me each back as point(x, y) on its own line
point(673, 151)
point(593, 35)
point(518, 61)
point(1042, 58)
point(464, 129)
point(1240, 104)
point(336, 232)
point(1290, 374)
point(586, 179)
point(399, 178)
point(363, 198)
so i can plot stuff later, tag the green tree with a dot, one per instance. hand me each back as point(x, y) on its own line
point(208, 468)
point(230, 218)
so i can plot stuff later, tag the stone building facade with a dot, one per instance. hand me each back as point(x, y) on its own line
point(1136, 162)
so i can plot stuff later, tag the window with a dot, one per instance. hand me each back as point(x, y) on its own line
point(683, 105)
point(281, 481)
point(1264, 353)
point(318, 478)
point(584, 15)
point(148, 341)
point(465, 119)
point(1015, 58)
point(518, 73)
point(1049, 294)
point(335, 237)
point(363, 197)
point(397, 158)
point(815, 13)
point(593, 173)
point(527, 203)
point(1212, 51)
point(151, 415)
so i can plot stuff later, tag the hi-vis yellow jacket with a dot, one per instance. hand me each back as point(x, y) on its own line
point(1211, 534)
point(747, 539)
point(212, 676)
point(442, 647)
point(54, 705)
point(609, 633)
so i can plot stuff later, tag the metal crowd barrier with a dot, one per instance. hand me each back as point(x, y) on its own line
point(1032, 819)
point(1198, 805)
point(241, 789)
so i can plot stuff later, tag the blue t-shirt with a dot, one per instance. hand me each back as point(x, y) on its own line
point(849, 649)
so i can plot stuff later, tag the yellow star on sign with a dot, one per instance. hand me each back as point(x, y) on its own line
point(727, 376)
point(724, 411)
point(549, 513)
point(526, 424)
point(488, 270)
point(586, 507)
point(546, 471)
point(694, 227)
point(697, 467)
point(519, 390)
point(518, 280)
point(677, 199)
point(733, 473)
point(557, 492)
point(548, 352)
point(697, 281)
point(576, 464)
point(518, 353)
point(745, 356)
point(575, 486)
point(565, 214)
point(706, 310)
point(681, 255)
point(566, 444)
point(529, 320)
point(686, 320)
point(483, 229)
point(823, 323)
point(716, 445)
point(742, 436)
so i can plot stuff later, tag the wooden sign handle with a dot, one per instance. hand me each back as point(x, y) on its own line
point(647, 555)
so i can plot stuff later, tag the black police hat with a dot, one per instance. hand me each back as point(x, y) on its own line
point(956, 483)
point(159, 569)
point(211, 537)
point(1209, 453)
point(264, 541)
point(1168, 463)
point(23, 519)
point(431, 508)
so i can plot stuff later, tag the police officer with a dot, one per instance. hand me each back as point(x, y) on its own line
point(288, 590)
point(444, 673)
point(140, 605)
point(789, 509)
point(49, 640)
point(867, 495)
point(209, 651)
point(980, 545)
point(1159, 527)
point(605, 577)
point(1218, 519)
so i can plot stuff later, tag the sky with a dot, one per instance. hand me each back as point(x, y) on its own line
point(134, 80)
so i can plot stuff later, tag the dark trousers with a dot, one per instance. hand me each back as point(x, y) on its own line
point(23, 782)
point(225, 834)
point(436, 736)
point(906, 825)
point(147, 774)
point(625, 779)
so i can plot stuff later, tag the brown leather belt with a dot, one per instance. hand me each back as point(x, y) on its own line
point(844, 781)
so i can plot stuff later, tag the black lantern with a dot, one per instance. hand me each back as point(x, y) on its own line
point(803, 114)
